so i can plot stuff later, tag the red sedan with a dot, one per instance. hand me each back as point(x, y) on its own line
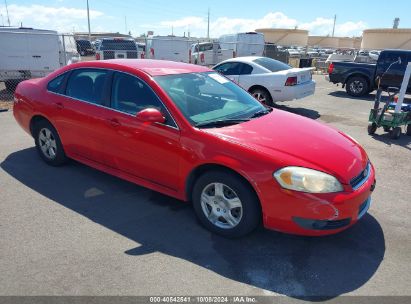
point(188, 132)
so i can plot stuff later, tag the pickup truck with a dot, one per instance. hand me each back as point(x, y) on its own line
point(359, 79)
point(208, 53)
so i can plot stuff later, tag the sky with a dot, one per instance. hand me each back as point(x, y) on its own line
point(230, 16)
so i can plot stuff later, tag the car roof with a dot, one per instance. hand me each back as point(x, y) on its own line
point(149, 66)
point(243, 59)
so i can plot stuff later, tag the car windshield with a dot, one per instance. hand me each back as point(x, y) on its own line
point(84, 43)
point(209, 97)
point(271, 64)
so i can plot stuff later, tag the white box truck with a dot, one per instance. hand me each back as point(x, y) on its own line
point(30, 53)
point(244, 44)
point(208, 53)
point(168, 48)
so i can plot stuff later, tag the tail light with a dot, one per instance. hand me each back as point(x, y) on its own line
point(97, 56)
point(152, 52)
point(330, 68)
point(291, 81)
point(202, 58)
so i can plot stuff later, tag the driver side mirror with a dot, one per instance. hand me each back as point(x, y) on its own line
point(150, 115)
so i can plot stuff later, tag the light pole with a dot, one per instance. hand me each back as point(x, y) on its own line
point(88, 20)
point(7, 11)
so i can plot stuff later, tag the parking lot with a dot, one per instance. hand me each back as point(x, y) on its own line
point(73, 230)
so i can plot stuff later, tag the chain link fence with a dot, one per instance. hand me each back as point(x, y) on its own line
point(29, 53)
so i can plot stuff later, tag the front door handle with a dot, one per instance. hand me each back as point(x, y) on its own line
point(114, 122)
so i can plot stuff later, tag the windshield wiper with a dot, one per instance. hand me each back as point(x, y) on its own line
point(261, 113)
point(221, 123)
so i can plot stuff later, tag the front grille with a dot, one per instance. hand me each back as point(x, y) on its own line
point(361, 178)
point(108, 54)
point(321, 224)
point(132, 55)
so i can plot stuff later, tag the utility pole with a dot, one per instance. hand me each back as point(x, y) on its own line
point(2, 20)
point(7, 11)
point(335, 19)
point(88, 20)
point(208, 24)
point(125, 23)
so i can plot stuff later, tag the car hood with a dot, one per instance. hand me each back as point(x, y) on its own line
point(308, 142)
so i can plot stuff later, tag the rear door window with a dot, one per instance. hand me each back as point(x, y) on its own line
point(246, 69)
point(271, 64)
point(229, 68)
point(90, 85)
point(57, 84)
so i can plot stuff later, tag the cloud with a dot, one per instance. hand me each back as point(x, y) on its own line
point(225, 25)
point(57, 18)
point(324, 26)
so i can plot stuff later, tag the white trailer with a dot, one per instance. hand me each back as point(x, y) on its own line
point(244, 44)
point(168, 48)
point(208, 53)
point(31, 53)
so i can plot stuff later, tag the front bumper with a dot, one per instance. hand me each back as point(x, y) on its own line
point(315, 214)
point(311, 224)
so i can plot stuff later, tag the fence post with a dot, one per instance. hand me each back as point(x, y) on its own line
point(64, 50)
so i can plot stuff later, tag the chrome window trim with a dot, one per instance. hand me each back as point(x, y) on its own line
point(176, 127)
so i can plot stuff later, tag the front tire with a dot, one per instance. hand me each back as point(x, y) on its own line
point(225, 204)
point(357, 86)
point(395, 133)
point(48, 144)
point(11, 85)
point(372, 127)
point(263, 96)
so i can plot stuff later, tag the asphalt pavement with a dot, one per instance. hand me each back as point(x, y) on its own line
point(73, 230)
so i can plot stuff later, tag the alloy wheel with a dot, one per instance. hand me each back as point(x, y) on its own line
point(47, 143)
point(221, 205)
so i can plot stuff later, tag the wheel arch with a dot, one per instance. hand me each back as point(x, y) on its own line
point(358, 74)
point(207, 167)
point(257, 86)
point(36, 119)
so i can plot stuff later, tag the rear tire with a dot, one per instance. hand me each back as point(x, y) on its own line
point(11, 85)
point(395, 133)
point(372, 127)
point(48, 144)
point(263, 96)
point(357, 86)
point(409, 130)
point(225, 204)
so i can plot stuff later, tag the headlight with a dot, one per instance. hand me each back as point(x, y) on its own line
point(307, 180)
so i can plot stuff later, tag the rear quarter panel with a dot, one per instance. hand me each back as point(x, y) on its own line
point(27, 102)
point(344, 70)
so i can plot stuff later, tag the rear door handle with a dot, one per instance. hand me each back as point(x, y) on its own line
point(114, 122)
point(59, 106)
